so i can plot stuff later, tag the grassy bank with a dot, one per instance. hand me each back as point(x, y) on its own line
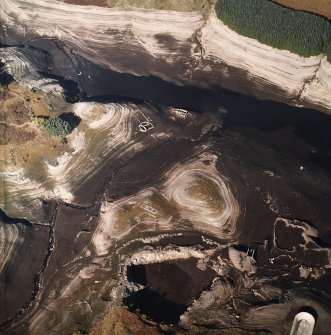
point(300, 32)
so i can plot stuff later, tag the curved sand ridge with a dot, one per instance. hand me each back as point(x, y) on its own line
point(147, 211)
point(194, 194)
point(106, 131)
point(15, 63)
point(170, 253)
point(203, 196)
point(24, 196)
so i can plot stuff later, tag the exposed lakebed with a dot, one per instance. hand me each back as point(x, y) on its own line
point(162, 220)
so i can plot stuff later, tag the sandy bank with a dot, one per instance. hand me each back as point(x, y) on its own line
point(302, 81)
point(175, 46)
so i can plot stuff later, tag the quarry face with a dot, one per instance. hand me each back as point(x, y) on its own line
point(136, 186)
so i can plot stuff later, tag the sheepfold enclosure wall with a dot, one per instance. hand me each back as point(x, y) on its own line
point(300, 32)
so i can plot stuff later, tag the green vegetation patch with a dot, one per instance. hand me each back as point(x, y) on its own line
point(60, 126)
point(54, 126)
point(57, 127)
point(303, 33)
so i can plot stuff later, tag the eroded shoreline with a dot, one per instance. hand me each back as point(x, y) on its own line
point(194, 51)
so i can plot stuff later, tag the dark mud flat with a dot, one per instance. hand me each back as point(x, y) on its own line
point(145, 169)
point(20, 276)
point(274, 175)
point(72, 232)
point(275, 155)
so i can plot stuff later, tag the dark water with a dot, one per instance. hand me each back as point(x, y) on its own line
point(168, 288)
point(154, 301)
point(5, 78)
point(98, 83)
point(242, 111)
point(9, 220)
point(155, 306)
point(137, 274)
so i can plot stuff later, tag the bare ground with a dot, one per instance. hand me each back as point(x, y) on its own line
point(321, 7)
point(181, 6)
point(120, 321)
point(21, 142)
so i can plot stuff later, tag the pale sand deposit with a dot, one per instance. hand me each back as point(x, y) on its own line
point(19, 67)
point(203, 196)
point(22, 191)
point(143, 211)
point(242, 262)
point(167, 254)
point(94, 30)
point(114, 126)
point(106, 35)
point(318, 90)
point(10, 239)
